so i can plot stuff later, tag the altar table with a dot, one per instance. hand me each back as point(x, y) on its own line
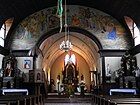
point(14, 91)
point(133, 91)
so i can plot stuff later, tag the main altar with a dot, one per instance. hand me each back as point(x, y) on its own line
point(70, 73)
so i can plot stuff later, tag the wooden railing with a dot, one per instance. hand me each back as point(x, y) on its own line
point(115, 100)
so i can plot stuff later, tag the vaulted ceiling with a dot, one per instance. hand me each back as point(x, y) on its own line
point(82, 45)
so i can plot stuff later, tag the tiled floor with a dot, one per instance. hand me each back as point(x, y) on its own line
point(68, 104)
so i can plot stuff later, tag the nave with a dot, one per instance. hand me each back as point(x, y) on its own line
point(50, 50)
point(59, 100)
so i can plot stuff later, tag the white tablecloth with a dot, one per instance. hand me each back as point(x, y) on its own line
point(123, 91)
point(14, 91)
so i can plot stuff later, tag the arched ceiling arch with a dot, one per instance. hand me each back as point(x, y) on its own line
point(82, 45)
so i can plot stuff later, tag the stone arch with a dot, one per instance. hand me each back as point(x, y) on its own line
point(71, 29)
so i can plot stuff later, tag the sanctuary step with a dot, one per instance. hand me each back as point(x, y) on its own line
point(68, 100)
point(55, 95)
point(77, 98)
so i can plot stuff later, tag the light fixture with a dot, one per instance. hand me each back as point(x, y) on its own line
point(66, 44)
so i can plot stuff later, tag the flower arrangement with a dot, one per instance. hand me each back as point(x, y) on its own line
point(69, 89)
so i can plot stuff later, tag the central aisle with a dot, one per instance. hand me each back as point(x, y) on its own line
point(63, 100)
point(67, 103)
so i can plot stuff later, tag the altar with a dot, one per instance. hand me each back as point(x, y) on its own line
point(14, 91)
point(122, 90)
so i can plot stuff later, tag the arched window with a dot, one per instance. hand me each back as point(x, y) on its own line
point(73, 59)
point(4, 30)
point(67, 57)
point(134, 30)
point(70, 58)
point(2, 35)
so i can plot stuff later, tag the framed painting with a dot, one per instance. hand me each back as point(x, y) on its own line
point(38, 76)
point(27, 64)
point(112, 64)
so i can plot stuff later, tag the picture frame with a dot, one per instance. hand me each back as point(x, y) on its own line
point(38, 76)
point(112, 65)
point(27, 64)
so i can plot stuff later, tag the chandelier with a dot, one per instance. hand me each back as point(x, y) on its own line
point(66, 44)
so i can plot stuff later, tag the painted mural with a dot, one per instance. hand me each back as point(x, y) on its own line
point(108, 30)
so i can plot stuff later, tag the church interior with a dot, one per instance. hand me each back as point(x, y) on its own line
point(60, 52)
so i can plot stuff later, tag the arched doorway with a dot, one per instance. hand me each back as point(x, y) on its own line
point(85, 48)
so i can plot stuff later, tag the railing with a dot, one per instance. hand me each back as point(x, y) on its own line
point(21, 100)
point(115, 100)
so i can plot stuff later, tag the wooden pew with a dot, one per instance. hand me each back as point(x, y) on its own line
point(121, 101)
point(21, 100)
point(126, 101)
point(115, 100)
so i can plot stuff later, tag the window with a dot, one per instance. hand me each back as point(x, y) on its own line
point(136, 35)
point(2, 35)
point(4, 30)
point(134, 30)
point(70, 58)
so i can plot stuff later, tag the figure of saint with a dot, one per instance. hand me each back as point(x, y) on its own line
point(52, 86)
point(8, 69)
point(108, 70)
point(58, 83)
point(38, 78)
point(82, 85)
point(82, 77)
point(26, 65)
point(75, 20)
point(137, 72)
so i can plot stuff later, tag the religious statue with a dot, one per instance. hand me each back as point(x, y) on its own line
point(8, 69)
point(82, 85)
point(9, 66)
point(137, 72)
point(108, 71)
point(58, 83)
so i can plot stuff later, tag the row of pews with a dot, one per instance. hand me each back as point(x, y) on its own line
point(21, 100)
point(115, 100)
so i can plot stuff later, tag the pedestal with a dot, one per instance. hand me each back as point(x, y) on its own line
point(82, 90)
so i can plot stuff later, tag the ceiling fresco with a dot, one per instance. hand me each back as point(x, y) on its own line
point(107, 29)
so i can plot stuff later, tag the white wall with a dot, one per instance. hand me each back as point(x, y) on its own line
point(39, 62)
point(20, 65)
point(138, 59)
point(1, 58)
point(114, 64)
